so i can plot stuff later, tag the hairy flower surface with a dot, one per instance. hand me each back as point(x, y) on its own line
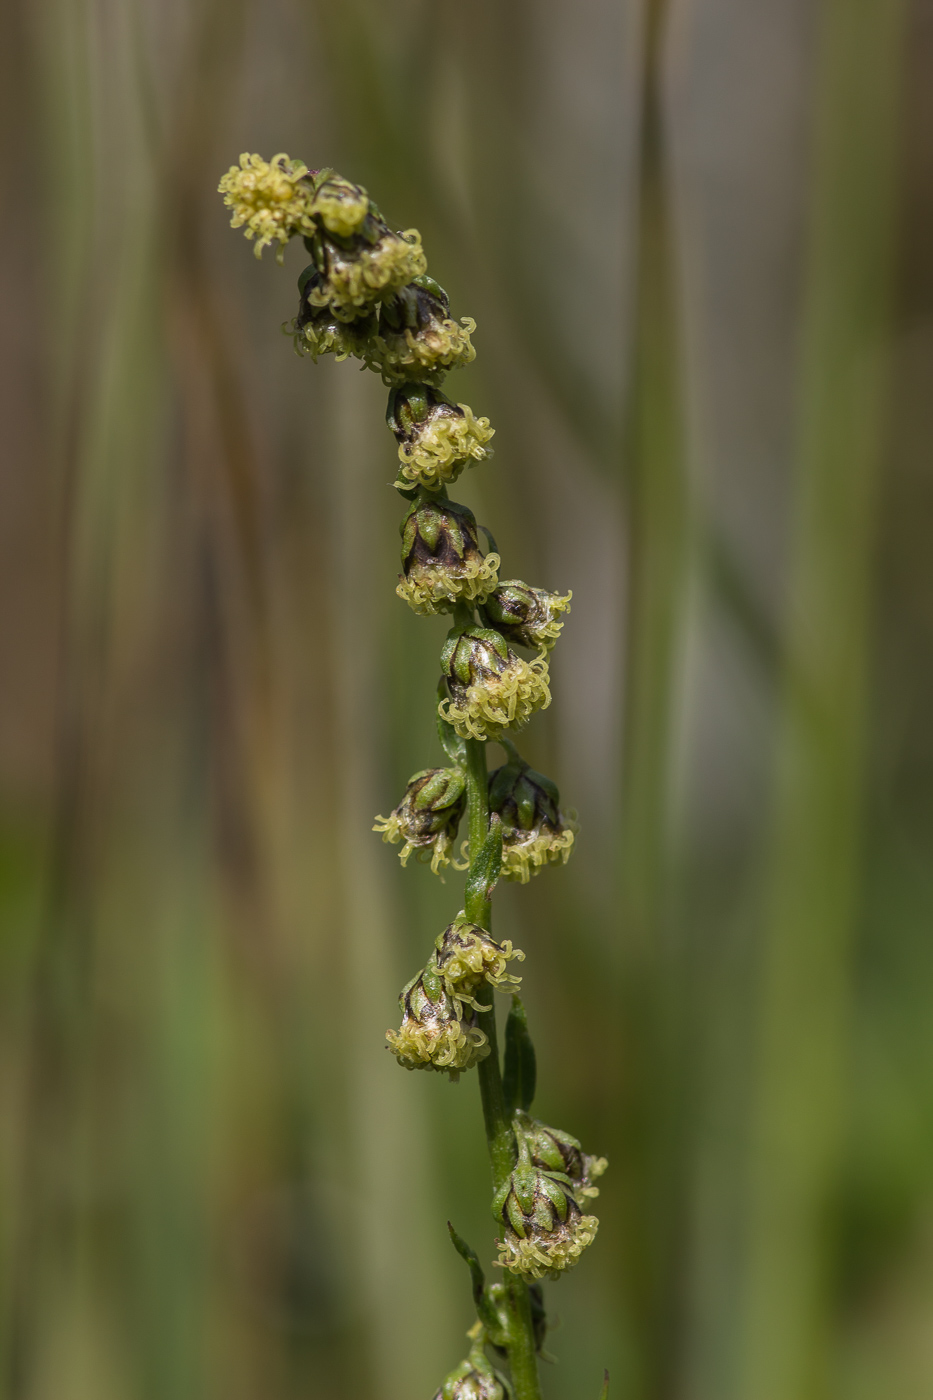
point(535, 832)
point(418, 340)
point(271, 200)
point(545, 1230)
point(427, 818)
point(437, 1031)
point(528, 616)
point(468, 957)
point(436, 438)
point(441, 557)
point(556, 1151)
point(490, 689)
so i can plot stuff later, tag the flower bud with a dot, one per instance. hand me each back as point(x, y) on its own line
point(317, 331)
point(490, 688)
point(473, 1379)
point(528, 616)
point(417, 338)
point(428, 816)
point(545, 1230)
point(437, 1031)
point(436, 438)
point(272, 198)
point(534, 829)
point(467, 957)
point(556, 1151)
point(441, 557)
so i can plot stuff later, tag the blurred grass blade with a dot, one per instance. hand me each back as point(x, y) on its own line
point(815, 867)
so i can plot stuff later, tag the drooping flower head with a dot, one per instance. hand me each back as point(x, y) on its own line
point(357, 272)
point(438, 1030)
point(441, 557)
point(436, 438)
point(342, 207)
point(468, 958)
point(418, 340)
point(535, 832)
point(474, 1379)
point(317, 331)
point(490, 689)
point(526, 615)
point(556, 1151)
point(428, 816)
point(272, 200)
point(545, 1230)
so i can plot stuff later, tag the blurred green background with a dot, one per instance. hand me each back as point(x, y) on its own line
point(696, 240)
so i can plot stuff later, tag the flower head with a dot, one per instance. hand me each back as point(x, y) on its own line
point(359, 271)
point(535, 831)
point(436, 438)
point(556, 1151)
point(428, 816)
point(528, 616)
point(490, 689)
point(441, 557)
point(317, 331)
point(474, 1379)
point(340, 206)
point(545, 1230)
point(418, 340)
point(467, 957)
point(438, 1031)
point(273, 199)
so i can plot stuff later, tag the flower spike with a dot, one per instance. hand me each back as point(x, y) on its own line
point(490, 689)
point(427, 817)
point(441, 557)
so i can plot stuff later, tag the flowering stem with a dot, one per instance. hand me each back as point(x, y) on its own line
point(500, 1139)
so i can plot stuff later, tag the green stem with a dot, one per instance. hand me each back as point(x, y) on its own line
point(520, 1342)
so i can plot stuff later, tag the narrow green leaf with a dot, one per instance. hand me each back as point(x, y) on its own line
point(520, 1071)
point(603, 1394)
point(485, 1308)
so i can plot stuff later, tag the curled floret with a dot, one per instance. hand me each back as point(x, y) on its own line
point(535, 832)
point(436, 438)
point(354, 277)
point(468, 957)
point(548, 1253)
point(442, 447)
point(441, 559)
point(418, 339)
point(340, 206)
point(438, 1030)
point(271, 200)
point(490, 689)
point(428, 817)
point(530, 617)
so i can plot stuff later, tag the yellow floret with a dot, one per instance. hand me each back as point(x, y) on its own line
point(269, 198)
point(547, 1254)
point(443, 446)
point(496, 703)
point(431, 589)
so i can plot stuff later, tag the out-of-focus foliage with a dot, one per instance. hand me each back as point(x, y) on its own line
point(696, 241)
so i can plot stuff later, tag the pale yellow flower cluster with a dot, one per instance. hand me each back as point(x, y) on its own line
point(442, 446)
point(495, 703)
